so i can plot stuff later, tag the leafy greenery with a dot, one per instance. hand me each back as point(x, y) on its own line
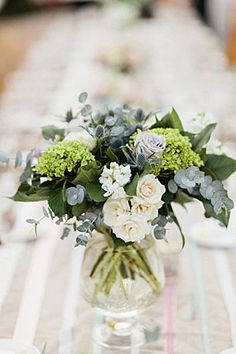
point(132, 186)
point(51, 132)
point(221, 165)
point(95, 192)
point(203, 137)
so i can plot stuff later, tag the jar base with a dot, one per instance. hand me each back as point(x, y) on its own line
point(120, 331)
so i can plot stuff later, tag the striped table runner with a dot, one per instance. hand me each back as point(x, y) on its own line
point(40, 300)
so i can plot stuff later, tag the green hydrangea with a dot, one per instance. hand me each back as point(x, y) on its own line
point(62, 157)
point(178, 153)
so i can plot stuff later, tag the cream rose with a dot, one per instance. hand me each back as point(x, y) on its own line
point(84, 137)
point(148, 211)
point(150, 189)
point(113, 209)
point(131, 227)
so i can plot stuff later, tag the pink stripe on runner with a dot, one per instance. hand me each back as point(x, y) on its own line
point(170, 316)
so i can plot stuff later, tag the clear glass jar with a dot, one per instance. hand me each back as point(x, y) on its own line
point(120, 280)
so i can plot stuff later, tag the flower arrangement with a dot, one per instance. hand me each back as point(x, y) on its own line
point(119, 174)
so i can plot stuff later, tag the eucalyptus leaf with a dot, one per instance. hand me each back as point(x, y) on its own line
point(223, 217)
point(83, 97)
point(4, 158)
point(159, 232)
point(65, 233)
point(75, 195)
point(32, 221)
point(172, 186)
point(81, 240)
point(86, 110)
point(19, 159)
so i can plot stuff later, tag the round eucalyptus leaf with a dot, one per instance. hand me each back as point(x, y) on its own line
point(159, 233)
point(172, 186)
point(99, 132)
point(82, 239)
point(86, 110)
point(83, 97)
point(75, 195)
point(116, 131)
point(110, 121)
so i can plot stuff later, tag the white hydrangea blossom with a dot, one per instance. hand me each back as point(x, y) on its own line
point(114, 178)
point(199, 121)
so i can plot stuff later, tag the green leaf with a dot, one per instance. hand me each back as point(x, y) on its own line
point(191, 136)
point(168, 197)
point(111, 155)
point(86, 174)
point(223, 217)
point(57, 203)
point(221, 165)
point(182, 198)
point(79, 209)
point(209, 172)
point(176, 221)
point(132, 186)
point(170, 120)
point(51, 132)
point(27, 193)
point(203, 137)
point(95, 192)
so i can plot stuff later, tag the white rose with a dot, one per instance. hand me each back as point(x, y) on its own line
point(150, 144)
point(150, 189)
point(131, 227)
point(113, 209)
point(84, 137)
point(141, 207)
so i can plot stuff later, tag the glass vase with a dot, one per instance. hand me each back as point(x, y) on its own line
point(120, 280)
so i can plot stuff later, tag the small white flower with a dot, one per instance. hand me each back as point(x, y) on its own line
point(122, 174)
point(84, 137)
point(150, 189)
point(119, 193)
point(150, 144)
point(113, 180)
point(147, 210)
point(113, 208)
point(131, 227)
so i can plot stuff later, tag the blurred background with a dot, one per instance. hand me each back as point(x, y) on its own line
point(149, 53)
